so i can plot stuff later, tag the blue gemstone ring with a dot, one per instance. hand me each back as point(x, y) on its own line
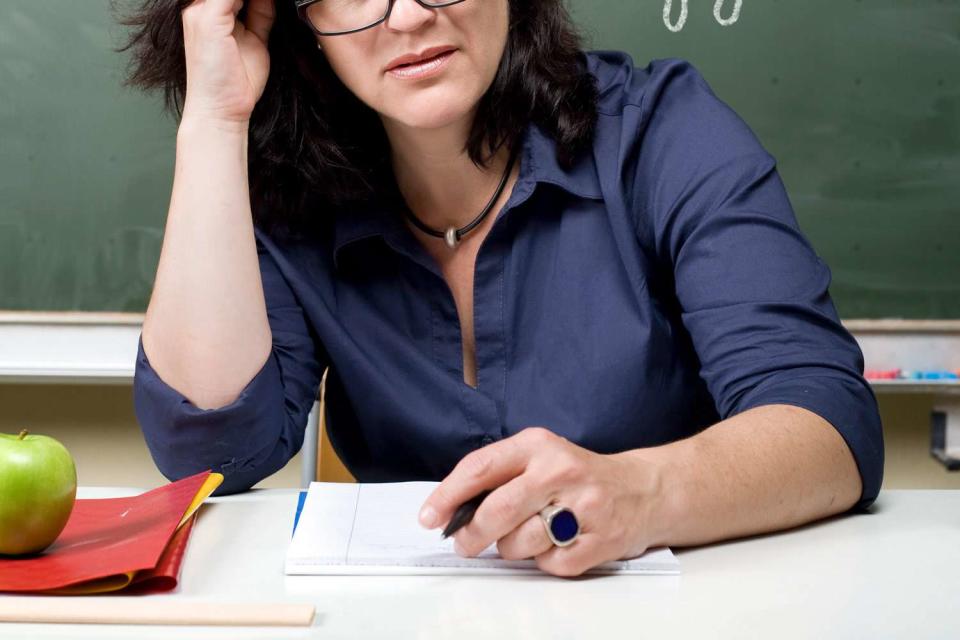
point(561, 525)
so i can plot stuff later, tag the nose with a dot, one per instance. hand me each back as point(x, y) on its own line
point(409, 15)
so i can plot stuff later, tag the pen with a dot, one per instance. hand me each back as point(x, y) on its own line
point(464, 514)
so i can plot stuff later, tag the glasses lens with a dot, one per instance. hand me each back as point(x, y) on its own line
point(345, 15)
point(332, 16)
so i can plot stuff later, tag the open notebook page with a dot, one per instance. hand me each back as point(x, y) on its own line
point(373, 529)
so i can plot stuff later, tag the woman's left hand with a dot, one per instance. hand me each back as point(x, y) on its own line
point(615, 498)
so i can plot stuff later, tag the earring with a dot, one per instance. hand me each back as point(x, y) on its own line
point(319, 46)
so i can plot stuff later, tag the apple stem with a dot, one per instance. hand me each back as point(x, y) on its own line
point(23, 434)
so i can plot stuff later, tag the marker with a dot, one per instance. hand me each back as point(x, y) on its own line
point(881, 374)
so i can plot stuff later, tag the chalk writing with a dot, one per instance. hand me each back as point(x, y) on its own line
point(682, 18)
point(734, 15)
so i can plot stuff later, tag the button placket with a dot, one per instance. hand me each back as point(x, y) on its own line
point(489, 335)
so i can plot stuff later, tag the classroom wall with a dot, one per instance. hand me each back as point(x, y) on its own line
point(98, 425)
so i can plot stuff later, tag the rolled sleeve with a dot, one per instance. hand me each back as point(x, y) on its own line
point(752, 291)
point(255, 435)
point(235, 440)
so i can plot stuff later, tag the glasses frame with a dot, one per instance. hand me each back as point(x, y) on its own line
point(302, 6)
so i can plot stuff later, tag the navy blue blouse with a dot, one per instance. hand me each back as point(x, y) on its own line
point(660, 285)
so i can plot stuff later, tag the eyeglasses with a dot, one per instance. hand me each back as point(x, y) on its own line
point(339, 17)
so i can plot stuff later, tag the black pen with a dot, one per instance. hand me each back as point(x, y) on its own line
point(463, 514)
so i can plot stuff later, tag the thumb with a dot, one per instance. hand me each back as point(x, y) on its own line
point(260, 16)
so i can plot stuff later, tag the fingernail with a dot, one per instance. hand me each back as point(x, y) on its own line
point(458, 549)
point(428, 517)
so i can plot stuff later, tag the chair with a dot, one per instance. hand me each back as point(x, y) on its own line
point(329, 466)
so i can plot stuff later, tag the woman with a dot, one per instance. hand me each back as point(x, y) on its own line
point(531, 270)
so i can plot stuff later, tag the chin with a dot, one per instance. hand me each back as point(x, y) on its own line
point(431, 111)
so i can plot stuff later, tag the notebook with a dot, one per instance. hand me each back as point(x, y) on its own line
point(135, 543)
point(372, 529)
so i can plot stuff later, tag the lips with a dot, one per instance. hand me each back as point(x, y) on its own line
point(413, 58)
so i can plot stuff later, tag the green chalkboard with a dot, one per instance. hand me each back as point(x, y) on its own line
point(858, 100)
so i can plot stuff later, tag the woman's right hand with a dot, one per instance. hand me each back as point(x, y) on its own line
point(227, 60)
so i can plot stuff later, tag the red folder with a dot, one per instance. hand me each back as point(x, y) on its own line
point(134, 543)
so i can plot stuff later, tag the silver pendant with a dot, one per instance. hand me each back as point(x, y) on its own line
point(451, 238)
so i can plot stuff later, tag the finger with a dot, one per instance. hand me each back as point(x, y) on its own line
point(209, 12)
point(480, 470)
point(526, 541)
point(218, 7)
point(193, 6)
point(586, 552)
point(260, 17)
point(503, 511)
point(238, 29)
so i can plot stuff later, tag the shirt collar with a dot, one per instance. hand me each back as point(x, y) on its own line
point(538, 164)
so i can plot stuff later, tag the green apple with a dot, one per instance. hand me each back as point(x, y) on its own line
point(38, 486)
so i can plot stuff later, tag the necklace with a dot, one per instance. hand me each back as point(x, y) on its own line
point(452, 235)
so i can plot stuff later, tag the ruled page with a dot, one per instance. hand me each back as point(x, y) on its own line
point(373, 528)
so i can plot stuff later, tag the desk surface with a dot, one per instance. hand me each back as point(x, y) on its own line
point(892, 573)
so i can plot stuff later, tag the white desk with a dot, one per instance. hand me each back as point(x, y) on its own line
point(894, 573)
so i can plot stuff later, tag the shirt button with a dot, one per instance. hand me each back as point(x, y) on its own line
point(485, 440)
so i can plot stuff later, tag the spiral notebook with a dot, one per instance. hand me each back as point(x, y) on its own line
point(345, 529)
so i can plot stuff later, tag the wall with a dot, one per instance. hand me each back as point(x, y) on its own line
point(98, 426)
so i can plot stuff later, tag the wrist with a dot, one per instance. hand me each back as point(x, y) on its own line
point(659, 473)
point(219, 140)
point(191, 124)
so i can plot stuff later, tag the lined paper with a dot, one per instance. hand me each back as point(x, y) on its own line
point(372, 529)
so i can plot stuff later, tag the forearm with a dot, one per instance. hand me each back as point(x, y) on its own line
point(206, 331)
point(766, 469)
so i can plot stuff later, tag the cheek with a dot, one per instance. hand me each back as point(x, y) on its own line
point(351, 62)
point(489, 48)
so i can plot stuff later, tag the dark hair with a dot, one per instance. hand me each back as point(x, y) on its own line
point(313, 141)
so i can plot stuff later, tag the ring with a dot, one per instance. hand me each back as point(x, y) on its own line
point(561, 525)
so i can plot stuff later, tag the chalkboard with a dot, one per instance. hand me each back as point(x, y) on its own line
point(859, 101)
